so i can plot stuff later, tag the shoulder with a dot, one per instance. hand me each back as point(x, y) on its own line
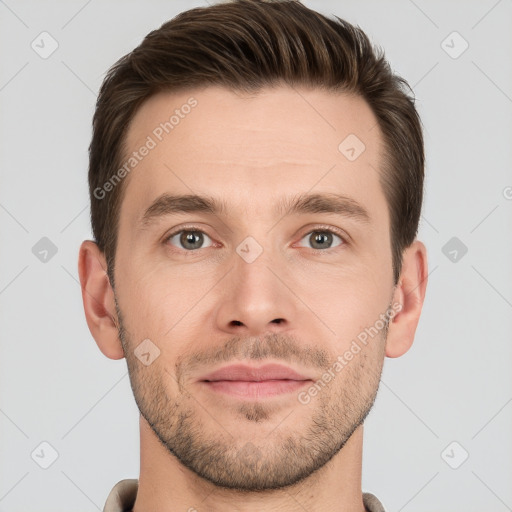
point(371, 503)
point(122, 496)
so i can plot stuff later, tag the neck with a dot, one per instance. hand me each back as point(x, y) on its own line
point(167, 486)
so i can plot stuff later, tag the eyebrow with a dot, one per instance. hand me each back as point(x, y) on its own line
point(168, 204)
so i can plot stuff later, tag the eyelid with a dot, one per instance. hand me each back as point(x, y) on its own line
point(326, 227)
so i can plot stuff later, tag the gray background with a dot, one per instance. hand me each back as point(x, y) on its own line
point(453, 385)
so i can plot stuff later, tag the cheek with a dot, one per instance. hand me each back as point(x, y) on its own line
point(347, 299)
point(158, 304)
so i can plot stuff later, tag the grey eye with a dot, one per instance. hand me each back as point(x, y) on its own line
point(189, 239)
point(322, 239)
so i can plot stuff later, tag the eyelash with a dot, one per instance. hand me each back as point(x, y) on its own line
point(318, 229)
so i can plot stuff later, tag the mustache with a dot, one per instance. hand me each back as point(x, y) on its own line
point(271, 346)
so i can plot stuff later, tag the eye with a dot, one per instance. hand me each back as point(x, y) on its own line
point(323, 239)
point(194, 239)
point(190, 239)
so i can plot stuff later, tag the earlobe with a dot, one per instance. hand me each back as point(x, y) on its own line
point(410, 293)
point(98, 300)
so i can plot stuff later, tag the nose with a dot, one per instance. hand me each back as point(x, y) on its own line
point(256, 297)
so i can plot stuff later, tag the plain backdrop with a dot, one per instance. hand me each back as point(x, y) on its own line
point(439, 436)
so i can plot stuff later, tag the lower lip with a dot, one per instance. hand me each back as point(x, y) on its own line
point(253, 389)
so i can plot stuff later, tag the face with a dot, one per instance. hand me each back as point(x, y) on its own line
point(288, 262)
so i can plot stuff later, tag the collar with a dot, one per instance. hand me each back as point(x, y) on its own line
point(122, 498)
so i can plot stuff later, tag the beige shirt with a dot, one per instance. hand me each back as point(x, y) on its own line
point(122, 498)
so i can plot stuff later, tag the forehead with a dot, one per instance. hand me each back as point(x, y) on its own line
point(252, 149)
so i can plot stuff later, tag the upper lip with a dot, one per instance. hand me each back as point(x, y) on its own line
point(249, 373)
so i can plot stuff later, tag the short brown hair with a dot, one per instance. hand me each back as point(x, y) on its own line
point(245, 45)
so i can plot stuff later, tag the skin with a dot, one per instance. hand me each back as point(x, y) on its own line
point(205, 307)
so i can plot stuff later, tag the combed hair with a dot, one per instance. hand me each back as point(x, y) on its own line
point(246, 45)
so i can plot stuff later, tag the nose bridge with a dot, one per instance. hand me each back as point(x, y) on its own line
point(255, 299)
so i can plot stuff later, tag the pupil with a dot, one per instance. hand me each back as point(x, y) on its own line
point(321, 238)
point(192, 238)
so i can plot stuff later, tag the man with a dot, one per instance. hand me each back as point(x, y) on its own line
point(256, 181)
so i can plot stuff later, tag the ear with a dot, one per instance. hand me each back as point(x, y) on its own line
point(410, 293)
point(98, 299)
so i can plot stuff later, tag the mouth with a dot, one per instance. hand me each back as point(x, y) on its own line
point(250, 382)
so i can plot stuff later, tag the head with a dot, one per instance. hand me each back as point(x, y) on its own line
point(256, 181)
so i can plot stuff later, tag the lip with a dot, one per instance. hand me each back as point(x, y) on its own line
point(250, 382)
point(244, 372)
